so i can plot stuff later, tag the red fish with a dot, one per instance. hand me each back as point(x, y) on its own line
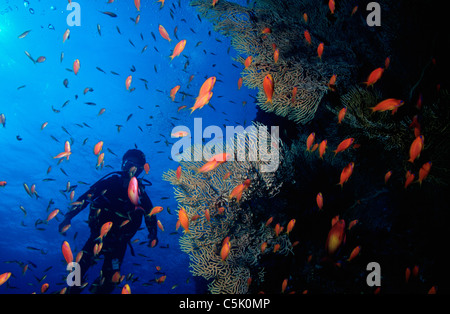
point(104, 230)
point(310, 140)
point(307, 36)
point(320, 50)
point(98, 147)
point(409, 178)
point(76, 66)
point(344, 145)
point(341, 114)
point(388, 104)
point(209, 166)
point(290, 226)
point(225, 249)
point(424, 170)
point(354, 253)
point(387, 176)
point(66, 35)
point(319, 200)
point(248, 61)
point(155, 210)
point(126, 289)
point(322, 148)
point(202, 101)
point(374, 76)
point(332, 6)
point(52, 215)
point(268, 87)
point(173, 92)
point(163, 32)
point(183, 219)
point(416, 148)
point(178, 49)
point(128, 82)
point(178, 172)
point(346, 173)
point(137, 4)
point(336, 237)
point(67, 252)
point(4, 277)
point(276, 55)
point(133, 191)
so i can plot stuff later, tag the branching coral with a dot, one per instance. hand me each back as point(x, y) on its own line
point(379, 127)
point(240, 221)
point(299, 65)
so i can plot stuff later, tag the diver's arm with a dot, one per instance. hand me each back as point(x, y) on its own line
point(75, 209)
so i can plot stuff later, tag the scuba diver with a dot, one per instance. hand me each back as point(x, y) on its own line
point(110, 202)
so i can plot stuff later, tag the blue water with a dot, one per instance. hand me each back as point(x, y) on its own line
point(29, 92)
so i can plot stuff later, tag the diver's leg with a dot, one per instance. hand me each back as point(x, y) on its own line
point(111, 265)
point(85, 262)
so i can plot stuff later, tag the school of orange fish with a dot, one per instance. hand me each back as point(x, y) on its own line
point(336, 236)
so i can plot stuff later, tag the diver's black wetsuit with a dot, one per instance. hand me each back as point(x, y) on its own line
point(108, 199)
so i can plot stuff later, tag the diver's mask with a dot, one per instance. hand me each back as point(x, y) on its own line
point(133, 162)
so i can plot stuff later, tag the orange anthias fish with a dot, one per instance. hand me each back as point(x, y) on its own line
point(268, 87)
point(126, 289)
point(128, 82)
point(276, 55)
point(52, 215)
point(98, 147)
point(207, 86)
point(137, 4)
point(163, 32)
point(416, 148)
point(409, 178)
point(322, 148)
point(388, 104)
point(178, 49)
point(209, 166)
point(76, 66)
point(374, 76)
point(346, 173)
point(387, 176)
point(225, 249)
point(290, 226)
point(67, 252)
point(133, 191)
point(178, 172)
point(424, 170)
point(294, 93)
point(320, 50)
point(180, 134)
point(104, 230)
point(344, 145)
point(336, 237)
point(248, 61)
point(173, 92)
point(310, 140)
point(240, 83)
point(66, 35)
point(341, 114)
point(238, 190)
point(156, 210)
point(332, 6)
point(332, 83)
point(202, 101)
point(307, 36)
point(214, 2)
point(354, 253)
point(319, 200)
point(183, 219)
point(4, 277)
